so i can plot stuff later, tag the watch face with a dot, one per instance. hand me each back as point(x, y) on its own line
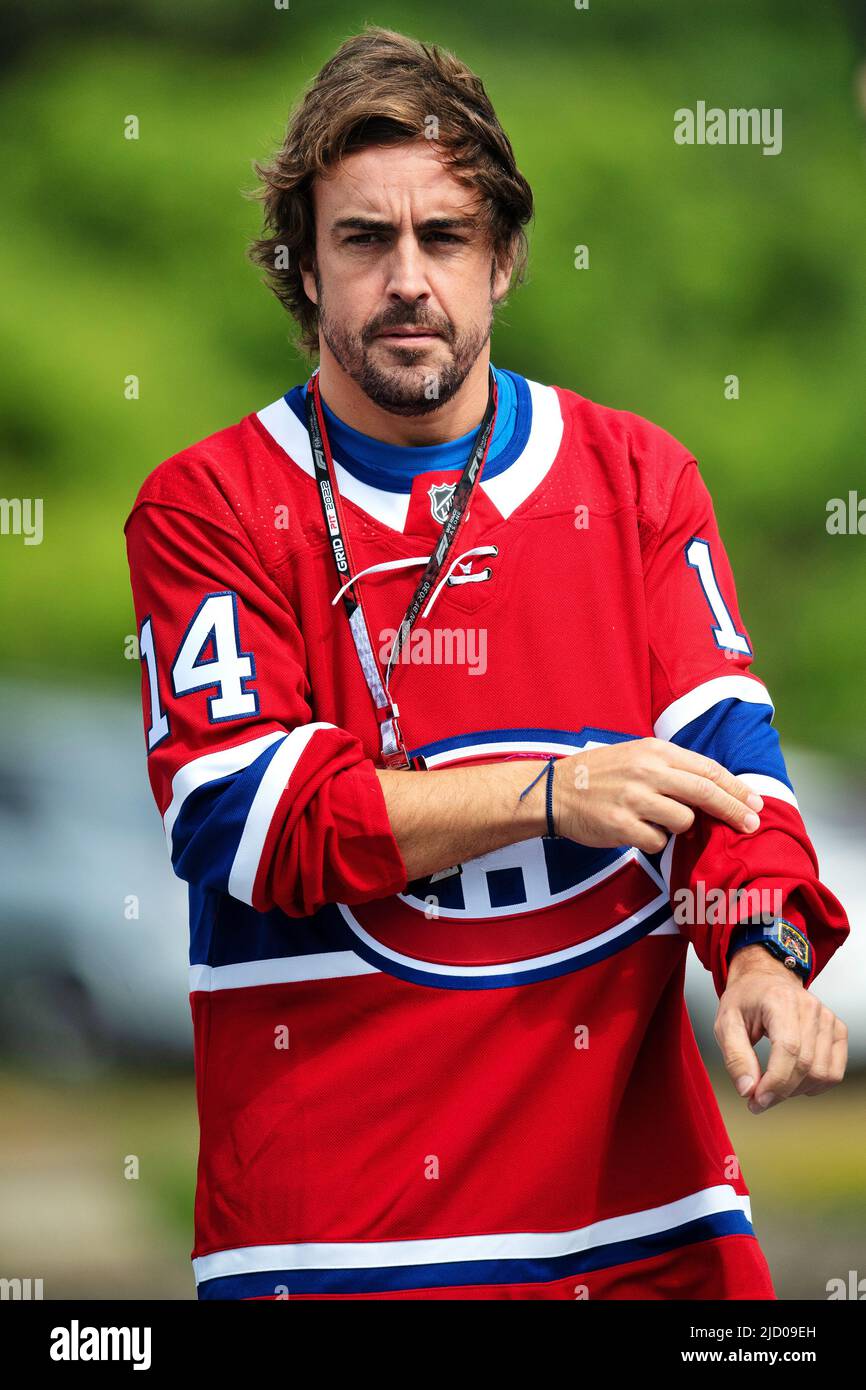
point(794, 941)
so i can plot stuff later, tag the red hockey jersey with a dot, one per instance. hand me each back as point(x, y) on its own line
point(483, 1084)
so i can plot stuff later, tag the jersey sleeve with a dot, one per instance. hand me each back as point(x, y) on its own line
point(258, 799)
point(705, 698)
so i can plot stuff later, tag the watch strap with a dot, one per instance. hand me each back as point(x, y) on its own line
point(781, 938)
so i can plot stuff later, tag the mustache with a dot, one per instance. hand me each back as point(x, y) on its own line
point(407, 319)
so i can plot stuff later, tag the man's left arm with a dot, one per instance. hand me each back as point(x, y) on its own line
point(706, 699)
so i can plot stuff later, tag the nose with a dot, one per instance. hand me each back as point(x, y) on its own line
point(407, 273)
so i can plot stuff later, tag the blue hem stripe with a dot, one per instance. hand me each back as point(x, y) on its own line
point(464, 1273)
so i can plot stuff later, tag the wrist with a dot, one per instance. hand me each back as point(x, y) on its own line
point(752, 960)
point(529, 813)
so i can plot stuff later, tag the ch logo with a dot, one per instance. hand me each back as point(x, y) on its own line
point(440, 495)
point(528, 912)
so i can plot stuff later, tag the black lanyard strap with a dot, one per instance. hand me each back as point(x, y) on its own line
point(460, 499)
point(394, 753)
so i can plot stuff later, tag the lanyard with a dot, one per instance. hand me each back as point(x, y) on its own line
point(393, 749)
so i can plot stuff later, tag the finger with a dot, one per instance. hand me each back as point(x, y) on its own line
point(707, 794)
point(740, 1058)
point(831, 1058)
point(625, 828)
point(793, 1034)
point(643, 835)
point(662, 811)
point(817, 1078)
point(700, 766)
point(840, 1056)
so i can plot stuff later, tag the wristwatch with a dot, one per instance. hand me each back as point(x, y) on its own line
point(781, 938)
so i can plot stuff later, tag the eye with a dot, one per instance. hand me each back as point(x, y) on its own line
point(363, 238)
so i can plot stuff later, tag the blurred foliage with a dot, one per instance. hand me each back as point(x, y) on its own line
point(125, 257)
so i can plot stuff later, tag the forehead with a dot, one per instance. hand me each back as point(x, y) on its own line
point(388, 181)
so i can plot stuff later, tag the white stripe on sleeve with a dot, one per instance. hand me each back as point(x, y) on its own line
point(210, 767)
point(261, 813)
point(696, 702)
point(769, 786)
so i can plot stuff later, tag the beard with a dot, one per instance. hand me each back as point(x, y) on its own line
point(410, 386)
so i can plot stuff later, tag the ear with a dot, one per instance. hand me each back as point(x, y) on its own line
point(307, 267)
point(503, 267)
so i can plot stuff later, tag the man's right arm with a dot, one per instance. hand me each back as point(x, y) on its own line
point(633, 793)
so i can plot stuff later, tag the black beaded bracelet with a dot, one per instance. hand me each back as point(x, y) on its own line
point(548, 771)
point(551, 828)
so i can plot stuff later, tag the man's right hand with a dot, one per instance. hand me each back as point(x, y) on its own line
point(639, 792)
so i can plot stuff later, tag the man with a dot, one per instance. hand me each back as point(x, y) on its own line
point(447, 704)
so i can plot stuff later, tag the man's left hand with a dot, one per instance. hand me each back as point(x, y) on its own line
point(808, 1043)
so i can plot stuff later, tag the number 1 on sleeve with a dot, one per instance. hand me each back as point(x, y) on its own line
point(699, 558)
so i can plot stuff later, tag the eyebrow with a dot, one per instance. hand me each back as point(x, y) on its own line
point(378, 224)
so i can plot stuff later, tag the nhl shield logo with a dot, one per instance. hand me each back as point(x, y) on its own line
point(440, 495)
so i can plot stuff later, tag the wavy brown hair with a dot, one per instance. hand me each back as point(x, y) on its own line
point(383, 88)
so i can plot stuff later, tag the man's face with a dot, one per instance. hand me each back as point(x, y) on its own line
point(404, 277)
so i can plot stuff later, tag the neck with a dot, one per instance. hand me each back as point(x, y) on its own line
point(462, 413)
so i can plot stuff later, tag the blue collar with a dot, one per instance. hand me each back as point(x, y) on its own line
point(393, 467)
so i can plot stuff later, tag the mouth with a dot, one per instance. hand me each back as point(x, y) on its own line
point(414, 337)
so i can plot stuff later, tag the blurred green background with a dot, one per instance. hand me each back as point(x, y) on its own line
point(127, 257)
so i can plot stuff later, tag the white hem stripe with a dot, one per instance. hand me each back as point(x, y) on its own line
point(535, 1245)
point(280, 970)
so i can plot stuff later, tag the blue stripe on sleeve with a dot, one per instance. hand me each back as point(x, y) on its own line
point(740, 736)
point(207, 832)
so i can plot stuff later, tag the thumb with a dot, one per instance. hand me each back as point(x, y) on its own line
point(740, 1058)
